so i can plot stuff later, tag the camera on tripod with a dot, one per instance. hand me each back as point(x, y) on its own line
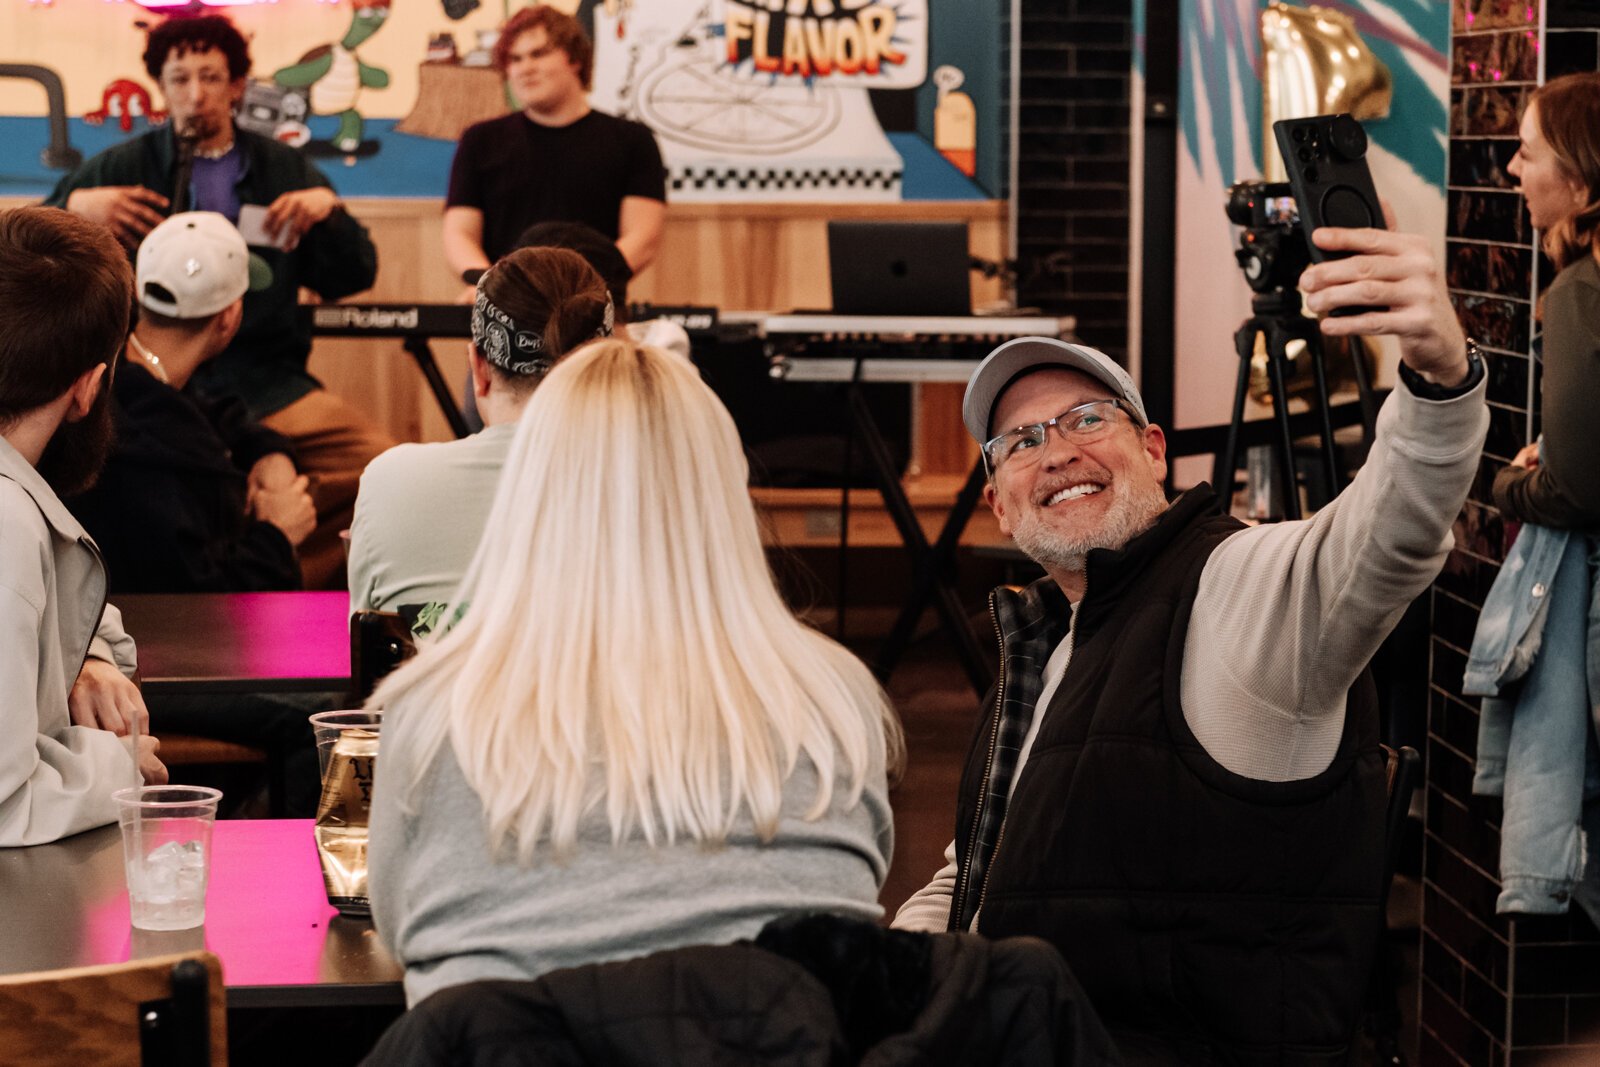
point(1272, 249)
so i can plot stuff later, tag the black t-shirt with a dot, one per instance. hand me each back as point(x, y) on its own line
point(518, 172)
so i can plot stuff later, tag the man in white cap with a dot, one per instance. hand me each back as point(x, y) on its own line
point(195, 496)
point(1178, 781)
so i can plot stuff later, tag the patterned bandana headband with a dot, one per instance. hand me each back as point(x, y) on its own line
point(509, 346)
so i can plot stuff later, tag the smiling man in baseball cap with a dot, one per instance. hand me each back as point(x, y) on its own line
point(1182, 751)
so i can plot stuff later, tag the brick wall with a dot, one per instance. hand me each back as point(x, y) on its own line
point(1072, 178)
point(1493, 990)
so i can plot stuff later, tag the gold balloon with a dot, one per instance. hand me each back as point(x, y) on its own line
point(1314, 63)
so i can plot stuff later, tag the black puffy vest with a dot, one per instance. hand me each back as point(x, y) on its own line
point(1232, 920)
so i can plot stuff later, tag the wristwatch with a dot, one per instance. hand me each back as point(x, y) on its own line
point(1423, 389)
point(472, 274)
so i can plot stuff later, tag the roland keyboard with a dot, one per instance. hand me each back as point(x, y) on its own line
point(389, 320)
point(455, 320)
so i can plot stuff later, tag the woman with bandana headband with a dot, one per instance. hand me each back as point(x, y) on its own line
point(422, 507)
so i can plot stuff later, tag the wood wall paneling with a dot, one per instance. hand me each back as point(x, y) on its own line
point(737, 257)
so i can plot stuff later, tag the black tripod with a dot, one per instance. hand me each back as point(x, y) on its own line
point(1276, 315)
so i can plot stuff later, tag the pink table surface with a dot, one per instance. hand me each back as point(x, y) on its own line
point(230, 642)
point(267, 917)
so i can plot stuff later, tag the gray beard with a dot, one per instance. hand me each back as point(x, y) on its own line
point(1131, 514)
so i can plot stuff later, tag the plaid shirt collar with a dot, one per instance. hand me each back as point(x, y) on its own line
point(1029, 624)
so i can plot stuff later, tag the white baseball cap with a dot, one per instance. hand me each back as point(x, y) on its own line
point(194, 264)
point(1024, 355)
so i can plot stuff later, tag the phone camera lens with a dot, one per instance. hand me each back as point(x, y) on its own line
point(1349, 139)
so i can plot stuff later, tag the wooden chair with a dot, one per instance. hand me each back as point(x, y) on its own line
point(379, 642)
point(184, 750)
point(189, 750)
point(167, 1011)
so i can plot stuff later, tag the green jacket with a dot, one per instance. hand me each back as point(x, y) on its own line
point(266, 363)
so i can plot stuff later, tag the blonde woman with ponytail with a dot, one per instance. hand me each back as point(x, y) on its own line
point(628, 743)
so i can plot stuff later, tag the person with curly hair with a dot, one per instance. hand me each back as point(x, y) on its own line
point(201, 64)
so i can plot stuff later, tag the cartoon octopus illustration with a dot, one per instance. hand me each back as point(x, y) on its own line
point(125, 100)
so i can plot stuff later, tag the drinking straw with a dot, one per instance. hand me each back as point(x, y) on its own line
point(138, 785)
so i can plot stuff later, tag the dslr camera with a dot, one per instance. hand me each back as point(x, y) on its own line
point(1272, 249)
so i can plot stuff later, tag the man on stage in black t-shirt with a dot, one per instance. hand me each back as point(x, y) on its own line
point(556, 159)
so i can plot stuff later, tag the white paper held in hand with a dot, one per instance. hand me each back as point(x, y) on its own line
point(253, 228)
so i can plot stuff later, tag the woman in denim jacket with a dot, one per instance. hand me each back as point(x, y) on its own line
point(1541, 622)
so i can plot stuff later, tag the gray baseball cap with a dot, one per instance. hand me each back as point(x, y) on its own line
point(1023, 355)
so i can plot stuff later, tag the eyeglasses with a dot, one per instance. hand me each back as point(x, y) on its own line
point(1025, 444)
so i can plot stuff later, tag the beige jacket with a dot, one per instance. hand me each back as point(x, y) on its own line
point(56, 779)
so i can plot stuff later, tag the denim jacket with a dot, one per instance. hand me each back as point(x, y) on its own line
point(1534, 742)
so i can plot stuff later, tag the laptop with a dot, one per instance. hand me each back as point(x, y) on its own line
point(899, 268)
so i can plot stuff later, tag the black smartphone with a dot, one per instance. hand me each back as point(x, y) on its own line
point(1326, 156)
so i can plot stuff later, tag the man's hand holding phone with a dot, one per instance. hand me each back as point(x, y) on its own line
point(1364, 280)
point(1396, 277)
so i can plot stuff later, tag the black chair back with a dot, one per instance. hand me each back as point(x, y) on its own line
point(379, 642)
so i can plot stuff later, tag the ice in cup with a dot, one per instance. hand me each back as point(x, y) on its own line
point(166, 852)
point(329, 725)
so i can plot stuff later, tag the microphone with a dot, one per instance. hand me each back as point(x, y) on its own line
point(188, 139)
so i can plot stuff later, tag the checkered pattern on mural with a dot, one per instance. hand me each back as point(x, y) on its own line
point(785, 178)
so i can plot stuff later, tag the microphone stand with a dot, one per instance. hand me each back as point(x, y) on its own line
point(187, 141)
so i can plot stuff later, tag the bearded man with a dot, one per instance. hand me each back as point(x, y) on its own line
point(65, 663)
point(1178, 781)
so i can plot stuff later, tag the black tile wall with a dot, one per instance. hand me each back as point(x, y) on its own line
point(1494, 322)
point(1492, 110)
point(1583, 1020)
point(1447, 1019)
point(1508, 430)
point(1466, 578)
point(1509, 56)
point(1475, 838)
point(1508, 379)
point(1468, 943)
point(1495, 991)
point(1496, 216)
point(1571, 52)
point(1072, 166)
point(1494, 269)
point(1540, 1020)
point(1482, 163)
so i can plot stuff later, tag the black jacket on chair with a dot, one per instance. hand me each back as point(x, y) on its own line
point(816, 991)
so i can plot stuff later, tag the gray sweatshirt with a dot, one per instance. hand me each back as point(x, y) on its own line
point(453, 912)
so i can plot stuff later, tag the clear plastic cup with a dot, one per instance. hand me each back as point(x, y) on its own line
point(166, 852)
point(328, 725)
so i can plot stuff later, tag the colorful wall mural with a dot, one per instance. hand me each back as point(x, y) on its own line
point(751, 100)
point(1221, 141)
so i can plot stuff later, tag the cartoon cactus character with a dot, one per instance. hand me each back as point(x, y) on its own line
point(335, 74)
